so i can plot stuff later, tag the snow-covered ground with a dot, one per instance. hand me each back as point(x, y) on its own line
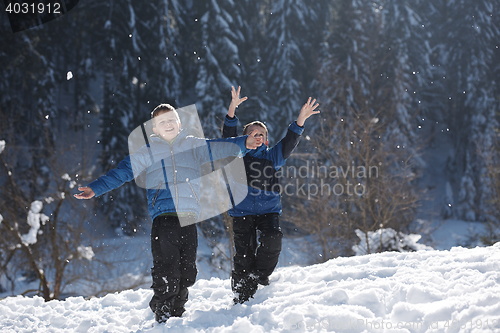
point(455, 290)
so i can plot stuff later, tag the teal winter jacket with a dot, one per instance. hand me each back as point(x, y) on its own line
point(172, 171)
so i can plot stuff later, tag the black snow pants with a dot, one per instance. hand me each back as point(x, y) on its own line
point(174, 262)
point(249, 257)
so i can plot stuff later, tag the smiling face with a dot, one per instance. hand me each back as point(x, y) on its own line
point(167, 125)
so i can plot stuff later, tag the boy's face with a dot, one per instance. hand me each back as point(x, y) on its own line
point(166, 125)
point(261, 135)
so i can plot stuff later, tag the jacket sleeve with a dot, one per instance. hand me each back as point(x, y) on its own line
point(230, 147)
point(123, 173)
point(230, 127)
point(284, 148)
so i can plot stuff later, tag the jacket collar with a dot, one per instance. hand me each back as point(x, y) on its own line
point(258, 151)
point(181, 136)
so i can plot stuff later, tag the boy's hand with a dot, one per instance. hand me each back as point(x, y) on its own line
point(235, 101)
point(251, 142)
point(307, 110)
point(87, 193)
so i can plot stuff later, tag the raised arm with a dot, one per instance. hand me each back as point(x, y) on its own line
point(284, 148)
point(231, 121)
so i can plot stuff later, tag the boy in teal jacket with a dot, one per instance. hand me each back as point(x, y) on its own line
point(172, 162)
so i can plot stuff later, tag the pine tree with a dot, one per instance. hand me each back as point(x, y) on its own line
point(219, 64)
point(32, 126)
point(465, 39)
point(191, 47)
point(367, 122)
point(467, 194)
point(250, 18)
point(288, 60)
point(27, 103)
point(407, 62)
point(159, 56)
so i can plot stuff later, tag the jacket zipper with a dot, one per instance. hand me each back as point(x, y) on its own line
point(174, 168)
point(175, 182)
point(192, 189)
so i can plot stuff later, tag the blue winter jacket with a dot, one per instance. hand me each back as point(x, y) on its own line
point(261, 167)
point(172, 171)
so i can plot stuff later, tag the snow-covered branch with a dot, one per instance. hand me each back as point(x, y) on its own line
point(387, 239)
point(35, 217)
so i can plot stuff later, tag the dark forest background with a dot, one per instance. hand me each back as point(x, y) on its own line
point(401, 84)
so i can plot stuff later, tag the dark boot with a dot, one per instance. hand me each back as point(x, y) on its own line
point(264, 280)
point(164, 311)
point(177, 312)
point(179, 302)
point(244, 288)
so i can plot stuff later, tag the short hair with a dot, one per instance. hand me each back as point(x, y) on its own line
point(163, 108)
point(256, 122)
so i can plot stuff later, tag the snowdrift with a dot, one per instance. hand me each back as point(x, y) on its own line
point(426, 291)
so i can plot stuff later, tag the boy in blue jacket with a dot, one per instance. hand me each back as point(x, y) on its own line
point(172, 163)
point(261, 208)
